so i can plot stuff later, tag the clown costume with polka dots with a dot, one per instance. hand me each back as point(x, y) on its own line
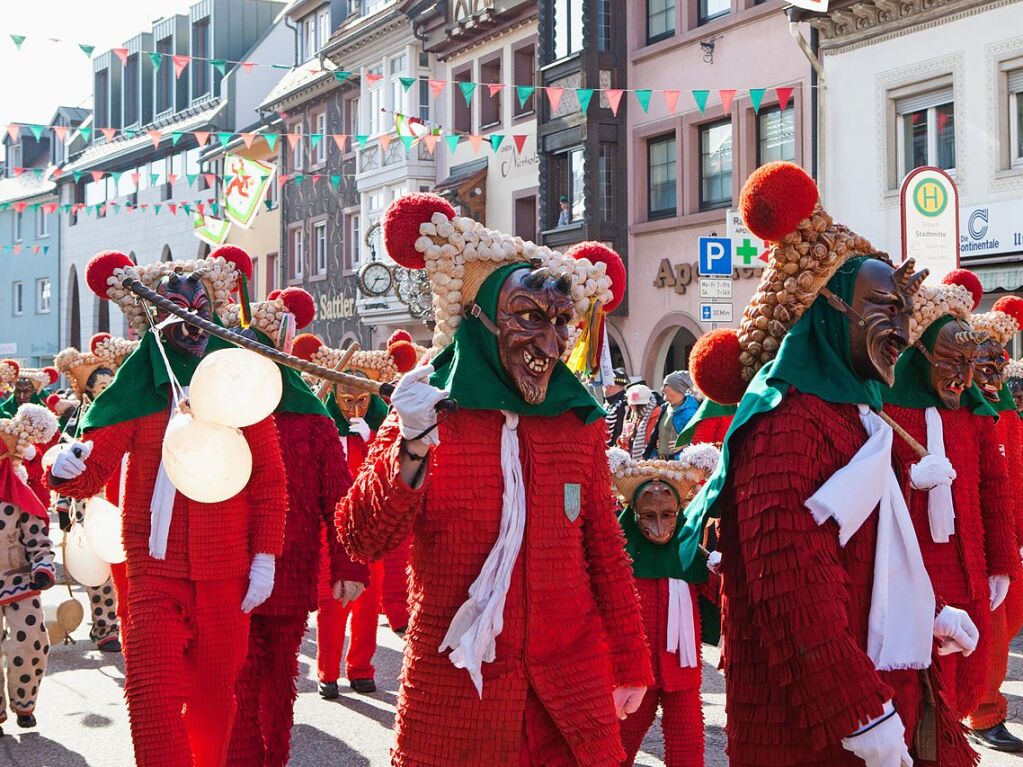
point(26, 565)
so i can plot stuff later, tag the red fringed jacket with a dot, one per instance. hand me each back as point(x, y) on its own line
point(206, 541)
point(795, 604)
point(1010, 441)
point(572, 624)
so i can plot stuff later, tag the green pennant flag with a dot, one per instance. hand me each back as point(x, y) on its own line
point(18, 40)
point(407, 82)
point(342, 76)
point(271, 140)
point(116, 176)
point(186, 207)
point(221, 66)
point(297, 178)
point(66, 208)
point(756, 95)
point(643, 97)
point(335, 181)
point(700, 97)
point(78, 175)
point(315, 139)
point(191, 178)
point(224, 137)
point(38, 172)
point(87, 49)
point(268, 203)
point(408, 141)
point(361, 139)
point(467, 90)
point(228, 178)
point(175, 137)
point(156, 208)
point(280, 66)
point(157, 59)
point(452, 141)
point(495, 140)
point(215, 207)
point(584, 95)
point(154, 179)
point(86, 132)
point(524, 92)
point(129, 133)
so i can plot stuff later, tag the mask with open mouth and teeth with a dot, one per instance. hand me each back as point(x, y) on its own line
point(188, 292)
point(989, 369)
point(954, 355)
point(534, 313)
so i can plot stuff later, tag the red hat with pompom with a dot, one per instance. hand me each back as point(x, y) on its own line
point(97, 339)
point(402, 222)
point(715, 367)
point(1004, 320)
point(235, 255)
point(306, 345)
point(967, 279)
point(100, 270)
point(299, 303)
point(399, 335)
point(53, 374)
point(9, 371)
point(404, 355)
point(599, 253)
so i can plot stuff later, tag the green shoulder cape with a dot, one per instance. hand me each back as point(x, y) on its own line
point(375, 415)
point(708, 409)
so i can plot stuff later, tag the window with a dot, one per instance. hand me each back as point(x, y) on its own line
point(571, 197)
point(131, 91)
point(462, 113)
point(376, 101)
point(297, 254)
point(603, 25)
point(713, 9)
point(525, 218)
point(43, 295)
point(424, 100)
point(321, 130)
point(13, 158)
point(308, 42)
point(662, 176)
point(322, 26)
point(716, 165)
point(1016, 116)
point(568, 27)
point(297, 151)
point(660, 20)
point(165, 76)
point(19, 233)
point(200, 50)
point(254, 285)
point(352, 126)
point(102, 91)
point(272, 194)
point(42, 223)
point(776, 135)
point(926, 130)
point(397, 69)
point(372, 6)
point(271, 272)
point(320, 248)
point(490, 106)
point(524, 64)
point(354, 241)
point(607, 181)
point(17, 298)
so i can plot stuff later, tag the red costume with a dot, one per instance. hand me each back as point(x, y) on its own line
point(572, 626)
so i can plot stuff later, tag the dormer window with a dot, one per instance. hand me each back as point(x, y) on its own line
point(102, 91)
point(165, 75)
point(200, 58)
point(131, 90)
point(323, 26)
point(13, 158)
point(307, 29)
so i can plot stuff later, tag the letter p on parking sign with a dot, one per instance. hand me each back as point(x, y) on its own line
point(715, 257)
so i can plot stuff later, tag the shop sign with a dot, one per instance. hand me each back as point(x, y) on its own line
point(747, 249)
point(991, 230)
point(680, 276)
point(336, 308)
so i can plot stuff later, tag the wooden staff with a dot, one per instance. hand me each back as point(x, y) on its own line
point(324, 389)
point(919, 449)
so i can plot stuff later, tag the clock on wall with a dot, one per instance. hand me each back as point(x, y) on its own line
point(375, 279)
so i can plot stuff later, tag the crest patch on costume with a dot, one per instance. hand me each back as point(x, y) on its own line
point(573, 501)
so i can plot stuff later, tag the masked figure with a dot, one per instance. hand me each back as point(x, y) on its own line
point(653, 495)
point(28, 387)
point(958, 495)
point(195, 570)
point(828, 611)
point(525, 642)
point(9, 370)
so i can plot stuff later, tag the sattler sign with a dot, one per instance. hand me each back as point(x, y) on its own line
point(930, 221)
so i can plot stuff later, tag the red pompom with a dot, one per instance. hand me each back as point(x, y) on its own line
point(97, 340)
point(299, 303)
point(51, 402)
point(404, 355)
point(273, 294)
point(968, 280)
point(306, 345)
point(53, 374)
point(399, 335)
point(101, 268)
point(1011, 305)
point(775, 198)
point(597, 252)
point(401, 226)
point(235, 255)
point(13, 364)
point(715, 368)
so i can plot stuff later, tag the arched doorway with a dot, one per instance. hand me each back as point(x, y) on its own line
point(102, 315)
point(669, 346)
point(676, 352)
point(74, 321)
point(166, 255)
point(619, 351)
point(204, 250)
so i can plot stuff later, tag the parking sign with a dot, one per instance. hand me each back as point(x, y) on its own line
point(715, 257)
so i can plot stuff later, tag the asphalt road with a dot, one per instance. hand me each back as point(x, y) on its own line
point(83, 721)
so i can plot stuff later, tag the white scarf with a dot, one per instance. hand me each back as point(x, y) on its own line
point(681, 629)
point(161, 505)
point(901, 622)
point(941, 514)
point(472, 635)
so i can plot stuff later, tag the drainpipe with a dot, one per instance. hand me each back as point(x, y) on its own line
point(294, 29)
point(811, 52)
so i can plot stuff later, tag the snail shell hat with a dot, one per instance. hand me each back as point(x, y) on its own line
point(954, 297)
point(1014, 369)
point(9, 370)
point(267, 315)
point(779, 203)
point(31, 425)
point(686, 474)
point(40, 377)
point(400, 356)
point(1004, 320)
point(105, 351)
point(422, 231)
point(220, 271)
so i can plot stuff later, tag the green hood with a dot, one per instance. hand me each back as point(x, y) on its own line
point(375, 414)
point(708, 409)
point(651, 560)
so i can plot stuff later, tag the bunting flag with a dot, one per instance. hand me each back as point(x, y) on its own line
point(643, 97)
point(467, 90)
point(341, 139)
point(495, 140)
point(122, 54)
point(372, 78)
point(108, 133)
point(407, 82)
point(700, 97)
point(524, 92)
point(37, 131)
point(224, 137)
point(726, 99)
point(436, 87)
point(271, 141)
point(180, 62)
point(220, 65)
point(520, 141)
point(431, 140)
point(756, 95)
point(342, 76)
point(18, 40)
point(386, 139)
point(475, 141)
point(614, 98)
point(784, 94)
point(452, 140)
point(60, 131)
point(247, 139)
point(157, 60)
point(212, 231)
point(247, 66)
point(249, 183)
point(87, 49)
point(554, 96)
point(671, 100)
point(155, 136)
point(494, 88)
point(201, 137)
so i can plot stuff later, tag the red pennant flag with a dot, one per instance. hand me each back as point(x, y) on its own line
point(201, 208)
point(494, 88)
point(201, 136)
point(108, 133)
point(671, 100)
point(247, 66)
point(154, 136)
point(18, 171)
point(211, 178)
point(520, 141)
point(554, 96)
point(726, 99)
point(247, 139)
point(431, 140)
point(475, 141)
point(180, 62)
point(436, 87)
point(173, 207)
point(172, 178)
point(55, 174)
point(293, 139)
point(385, 141)
point(784, 94)
point(97, 175)
point(17, 249)
point(614, 98)
point(340, 139)
point(60, 131)
point(122, 54)
point(50, 207)
point(372, 78)
point(135, 178)
point(282, 179)
point(12, 131)
point(20, 206)
point(35, 250)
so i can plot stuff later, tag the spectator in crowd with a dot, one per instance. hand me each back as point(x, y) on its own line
point(680, 406)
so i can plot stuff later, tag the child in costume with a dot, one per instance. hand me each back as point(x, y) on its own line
point(958, 495)
point(653, 494)
point(525, 642)
point(195, 570)
point(29, 387)
point(357, 416)
point(26, 565)
point(827, 608)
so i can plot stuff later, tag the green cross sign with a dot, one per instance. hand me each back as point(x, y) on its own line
point(747, 252)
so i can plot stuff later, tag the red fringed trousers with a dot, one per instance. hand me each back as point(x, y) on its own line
point(331, 620)
point(185, 647)
point(682, 723)
point(1006, 622)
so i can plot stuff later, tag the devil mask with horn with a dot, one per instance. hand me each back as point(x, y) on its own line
point(188, 292)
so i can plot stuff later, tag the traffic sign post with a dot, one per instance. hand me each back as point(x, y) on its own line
point(930, 221)
point(715, 257)
point(715, 287)
point(715, 312)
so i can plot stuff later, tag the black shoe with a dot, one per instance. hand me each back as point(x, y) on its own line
point(110, 645)
point(328, 690)
point(1, 732)
point(364, 686)
point(26, 721)
point(401, 631)
point(997, 738)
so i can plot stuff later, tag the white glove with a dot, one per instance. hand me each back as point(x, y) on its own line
point(68, 465)
point(261, 582)
point(627, 700)
point(881, 745)
point(955, 632)
point(347, 592)
point(30, 453)
point(931, 471)
point(360, 427)
point(999, 585)
point(415, 400)
point(714, 562)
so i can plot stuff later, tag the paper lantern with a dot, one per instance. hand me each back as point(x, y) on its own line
point(207, 462)
point(235, 387)
point(103, 530)
point(50, 456)
point(81, 561)
point(61, 620)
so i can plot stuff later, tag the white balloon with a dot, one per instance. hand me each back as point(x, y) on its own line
point(82, 562)
point(235, 387)
point(207, 462)
point(51, 455)
point(103, 530)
